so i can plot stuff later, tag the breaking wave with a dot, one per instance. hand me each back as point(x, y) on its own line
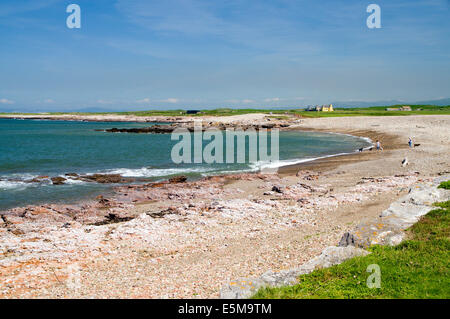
point(156, 172)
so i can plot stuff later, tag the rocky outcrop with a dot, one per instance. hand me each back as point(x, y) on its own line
point(112, 219)
point(58, 180)
point(389, 227)
point(169, 128)
point(97, 178)
point(105, 178)
point(158, 129)
point(178, 179)
point(38, 179)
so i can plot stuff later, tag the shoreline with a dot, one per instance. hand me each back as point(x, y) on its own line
point(282, 169)
point(186, 240)
point(332, 162)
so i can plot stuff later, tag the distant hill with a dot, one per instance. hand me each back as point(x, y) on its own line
point(36, 110)
point(7, 110)
point(440, 102)
point(93, 110)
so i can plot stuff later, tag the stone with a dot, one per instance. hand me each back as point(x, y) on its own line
point(58, 180)
point(347, 240)
point(38, 179)
point(178, 179)
point(71, 174)
point(277, 189)
point(106, 178)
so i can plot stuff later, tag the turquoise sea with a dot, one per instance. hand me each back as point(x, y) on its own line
point(31, 148)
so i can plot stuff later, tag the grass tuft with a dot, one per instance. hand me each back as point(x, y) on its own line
point(444, 185)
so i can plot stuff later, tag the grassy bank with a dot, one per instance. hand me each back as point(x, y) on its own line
point(417, 268)
point(380, 111)
point(368, 111)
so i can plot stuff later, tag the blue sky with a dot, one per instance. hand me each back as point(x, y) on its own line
point(144, 54)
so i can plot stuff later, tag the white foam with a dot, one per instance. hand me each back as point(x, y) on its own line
point(20, 176)
point(71, 181)
point(273, 165)
point(155, 172)
point(6, 185)
point(257, 166)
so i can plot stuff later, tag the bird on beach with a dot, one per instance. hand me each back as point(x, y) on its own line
point(405, 162)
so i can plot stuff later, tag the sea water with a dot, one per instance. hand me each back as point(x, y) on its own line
point(31, 148)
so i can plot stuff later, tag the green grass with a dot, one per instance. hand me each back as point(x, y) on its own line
point(444, 185)
point(380, 111)
point(417, 268)
point(368, 111)
point(180, 112)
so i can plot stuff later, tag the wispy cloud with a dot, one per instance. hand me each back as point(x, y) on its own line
point(273, 99)
point(170, 100)
point(250, 24)
point(6, 101)
point(243, 101)
point(143, 101)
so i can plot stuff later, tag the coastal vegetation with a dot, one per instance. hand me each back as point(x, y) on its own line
point(381, 111)
point(444, 185)
point(300, 112)
point(417, 268)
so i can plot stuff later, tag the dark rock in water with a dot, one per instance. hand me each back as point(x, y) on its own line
point(106, 178)
point(38, 179)
point(347, 240)
point(72, 174)
point(169, 128)
point(151, 129)
point(178, 179)
point(58, 180)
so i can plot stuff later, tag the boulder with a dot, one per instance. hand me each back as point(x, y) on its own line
point(158, 129)
point(347, 240)
point(277, 189)
point(178, 179)
point(58, 180)
point(72, 174)
point(38, 179)
point(106, 178)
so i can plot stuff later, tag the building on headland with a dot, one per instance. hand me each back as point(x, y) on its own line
point(402, 108)
point(193, 112)
point(321, 108)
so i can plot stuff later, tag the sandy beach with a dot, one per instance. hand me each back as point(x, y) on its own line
point(187, 239)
